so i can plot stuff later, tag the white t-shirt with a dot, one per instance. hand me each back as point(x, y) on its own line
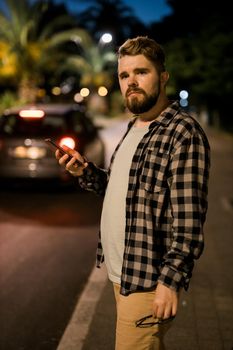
point(114, 206)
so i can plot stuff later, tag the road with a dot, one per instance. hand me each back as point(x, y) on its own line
point(48, 241)
point(47, 251)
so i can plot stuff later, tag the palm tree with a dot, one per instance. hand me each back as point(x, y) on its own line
point(95, 65)
point(29, 48)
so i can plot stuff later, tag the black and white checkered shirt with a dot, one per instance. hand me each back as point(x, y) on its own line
point(166, 202)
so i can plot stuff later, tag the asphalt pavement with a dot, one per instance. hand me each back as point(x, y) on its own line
point(205, 315)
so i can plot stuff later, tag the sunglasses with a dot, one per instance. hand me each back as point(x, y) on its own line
point(144, 322)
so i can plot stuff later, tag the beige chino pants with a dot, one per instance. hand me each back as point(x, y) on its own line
point(130, 309)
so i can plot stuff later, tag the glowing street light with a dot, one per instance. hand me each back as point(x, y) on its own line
point(102, 91)
point(84, 92)
point(106, 38)
point(184, 98)
point(184, 94)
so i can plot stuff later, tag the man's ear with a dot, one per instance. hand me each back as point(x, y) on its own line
point(164, 77)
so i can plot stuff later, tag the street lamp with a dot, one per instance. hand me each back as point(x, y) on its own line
point(106, 38)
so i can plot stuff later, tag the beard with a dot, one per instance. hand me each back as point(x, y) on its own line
point(139, 106)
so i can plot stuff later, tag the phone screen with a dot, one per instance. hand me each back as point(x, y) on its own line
point(56, 146)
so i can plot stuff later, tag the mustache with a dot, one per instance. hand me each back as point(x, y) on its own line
point(134, 90)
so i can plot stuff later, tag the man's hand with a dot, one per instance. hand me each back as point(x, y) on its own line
point(74, 167)
point(165, 302)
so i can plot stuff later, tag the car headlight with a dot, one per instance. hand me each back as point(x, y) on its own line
point(22, 152)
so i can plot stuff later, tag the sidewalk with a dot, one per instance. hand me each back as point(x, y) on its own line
point(205, 315)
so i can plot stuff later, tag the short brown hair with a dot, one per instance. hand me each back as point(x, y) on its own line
point(142, 45)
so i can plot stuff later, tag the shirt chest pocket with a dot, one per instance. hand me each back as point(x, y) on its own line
point(154, 171)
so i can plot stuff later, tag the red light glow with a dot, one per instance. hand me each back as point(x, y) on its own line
point(68, 141)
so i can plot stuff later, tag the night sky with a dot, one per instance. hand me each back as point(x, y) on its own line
point(146, 10)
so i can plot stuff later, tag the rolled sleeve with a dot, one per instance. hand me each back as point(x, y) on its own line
point(94, 179)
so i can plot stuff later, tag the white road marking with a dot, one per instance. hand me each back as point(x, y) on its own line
point(77, 329)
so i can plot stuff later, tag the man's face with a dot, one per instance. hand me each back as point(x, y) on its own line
point(139, 82)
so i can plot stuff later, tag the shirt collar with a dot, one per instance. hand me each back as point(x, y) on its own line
point(167, 115)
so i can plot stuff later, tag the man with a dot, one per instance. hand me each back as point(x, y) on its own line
point(155, 199)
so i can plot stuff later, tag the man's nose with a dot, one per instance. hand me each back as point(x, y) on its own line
point(132, 81)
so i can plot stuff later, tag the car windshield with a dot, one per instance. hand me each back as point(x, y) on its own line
point(14, 125)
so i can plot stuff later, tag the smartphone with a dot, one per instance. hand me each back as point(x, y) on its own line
point(56, 146)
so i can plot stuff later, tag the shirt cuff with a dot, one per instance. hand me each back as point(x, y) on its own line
point(173, 278)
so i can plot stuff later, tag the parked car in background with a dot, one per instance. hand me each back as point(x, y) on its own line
point(23, 152)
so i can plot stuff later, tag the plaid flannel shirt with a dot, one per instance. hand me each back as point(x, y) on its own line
point(166, 203)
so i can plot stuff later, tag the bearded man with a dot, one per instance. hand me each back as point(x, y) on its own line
point(155, 199)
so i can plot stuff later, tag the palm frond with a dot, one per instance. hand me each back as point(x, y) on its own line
point(79, 36)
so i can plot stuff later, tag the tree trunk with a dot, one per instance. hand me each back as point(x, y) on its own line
point(27, 91)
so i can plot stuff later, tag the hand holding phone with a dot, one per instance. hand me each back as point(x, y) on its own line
point(55, 146)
